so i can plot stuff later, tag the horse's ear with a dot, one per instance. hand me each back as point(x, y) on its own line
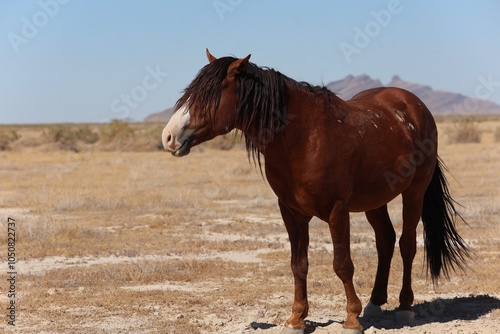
point(210, 57)
point(237, 66)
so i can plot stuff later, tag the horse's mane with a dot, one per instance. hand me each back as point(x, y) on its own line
point(262, 97)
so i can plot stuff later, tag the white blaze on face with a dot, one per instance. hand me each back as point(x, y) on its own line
point(175, 133)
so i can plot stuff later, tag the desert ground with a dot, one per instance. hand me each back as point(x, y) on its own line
point(113, 239)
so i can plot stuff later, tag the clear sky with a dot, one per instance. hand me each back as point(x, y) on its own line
point(92, 61)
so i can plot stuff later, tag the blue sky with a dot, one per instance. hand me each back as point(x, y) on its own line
point(92, 61)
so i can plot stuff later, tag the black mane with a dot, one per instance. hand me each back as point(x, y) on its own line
point(262, 99)
point(206, 88)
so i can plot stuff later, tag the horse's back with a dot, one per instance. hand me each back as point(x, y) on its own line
point(387, 96)
point(399, 104)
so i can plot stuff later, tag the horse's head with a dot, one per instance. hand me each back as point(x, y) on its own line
point(208, 107)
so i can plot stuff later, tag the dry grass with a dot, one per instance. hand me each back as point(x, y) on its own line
point(7, 137)
point(129, 242)
point(116, 136)
point(497, 134)
point(465, 131)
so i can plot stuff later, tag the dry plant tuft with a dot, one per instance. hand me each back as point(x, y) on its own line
point(69, 137)
point(465, 131)
point(122, 136)
point(497, 134)
point(7, 137)
point(114, 136)
point(117, 130)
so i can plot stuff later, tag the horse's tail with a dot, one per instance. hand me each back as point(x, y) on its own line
point(444, 247)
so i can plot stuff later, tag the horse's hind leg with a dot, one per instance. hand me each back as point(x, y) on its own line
point(385, 238)
point(412, 210)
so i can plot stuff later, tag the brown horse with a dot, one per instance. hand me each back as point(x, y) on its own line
point(326, 157)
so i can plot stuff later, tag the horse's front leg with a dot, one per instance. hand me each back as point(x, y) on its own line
point(297, 226)
point(342, 263)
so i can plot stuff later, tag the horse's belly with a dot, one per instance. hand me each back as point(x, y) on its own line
point(361, 202)
point(379, 188)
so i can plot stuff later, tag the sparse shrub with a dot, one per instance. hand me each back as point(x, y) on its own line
point(62, 134)
point(152, 136)
point(86, 135)
point(465, 131)
point(497, 134)
point(7, 136)
point(117, 130)
point(68, 137)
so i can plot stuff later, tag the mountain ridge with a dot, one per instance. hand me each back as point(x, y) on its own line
point(439, 102)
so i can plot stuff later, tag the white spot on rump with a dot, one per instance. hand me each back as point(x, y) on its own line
point(400, 115)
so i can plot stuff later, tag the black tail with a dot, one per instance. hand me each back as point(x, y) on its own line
point(444, 247)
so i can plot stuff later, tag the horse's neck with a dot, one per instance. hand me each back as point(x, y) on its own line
point(306, 111)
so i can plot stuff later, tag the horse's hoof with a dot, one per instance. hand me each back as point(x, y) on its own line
point(405, 317)
point(351, 331)
point(372, 311)
point(288, 330)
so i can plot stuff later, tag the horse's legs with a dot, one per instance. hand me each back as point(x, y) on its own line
point(412, 210)
point(342, 263)
point(297, 227)
point(385, 237)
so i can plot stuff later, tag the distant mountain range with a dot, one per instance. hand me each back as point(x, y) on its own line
point(439, 102)
point(160, 117)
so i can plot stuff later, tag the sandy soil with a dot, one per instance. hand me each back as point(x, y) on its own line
point(435, 313)
point(445, 309)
